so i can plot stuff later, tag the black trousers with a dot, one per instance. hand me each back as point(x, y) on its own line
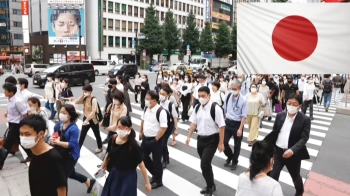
point(306, 105)
point(293, 165)
point(95, 128)
point(206, 148)
point(165, 148)
point(231, 130)
point(185, 105)
point(12, 137)
point(154, 166)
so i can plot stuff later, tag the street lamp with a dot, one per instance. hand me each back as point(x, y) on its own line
point(80, 42)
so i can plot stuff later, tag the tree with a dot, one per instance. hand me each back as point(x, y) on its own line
point(154, 41)
point(191, 35)
point(171, 33)
point(234, 41)
point(206, 42)
point(223, 41)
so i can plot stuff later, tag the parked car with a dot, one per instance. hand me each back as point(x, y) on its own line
point(101, 66)
point(172, 67)
point(185, 68)
point(31, 69)
point(126, 69)
point(77, 73)
point(159, 66)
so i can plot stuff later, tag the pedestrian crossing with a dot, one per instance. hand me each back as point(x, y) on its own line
point(183, 175)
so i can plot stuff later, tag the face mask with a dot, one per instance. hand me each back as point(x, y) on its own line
point(302, 78)
point(162, 98)
point(28, 142)
point(57, 81)
point(147, 103)
point(49, 78)
point(143, 80)
point(109, 86)
point(137, 76)
point(203, 101)
point(285, 78)
point(248, 79)
point(240, 79)
point(290, 81)
point(253, 90)
point(116, 102)
point(235, 92)
point(86, 94)
point(310, 81)
point(107, 79)
point(175, 82)
point(63, 117)
point(33, 110)
point(182, 73)
point(263, 82)
point(186, 79)
point(63, 84)
point(122, 133)
point(292, 109)
point(18, 86)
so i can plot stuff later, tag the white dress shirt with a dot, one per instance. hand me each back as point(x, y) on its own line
point(301, 84)
point(25, 95)
point(151, 126)
point(49, 92)
point(217, 97)
point(195, 93)
point(205, 124)
point(188, 90)
point(309, 91)
point(283, 136)
point(165, 105)
point(16, 109)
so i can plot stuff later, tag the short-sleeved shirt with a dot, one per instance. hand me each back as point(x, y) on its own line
point(258, 187)
point(288, 90)
point(151, 126)
point(66, 93)
point(47, 173)
point(125, 156)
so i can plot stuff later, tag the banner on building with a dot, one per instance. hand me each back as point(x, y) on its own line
point(207, 10)
point(64, 26)
point(220, 16)
point(65, 1)
point(75, 56)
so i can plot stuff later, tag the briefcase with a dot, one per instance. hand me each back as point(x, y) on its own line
point(15, 145)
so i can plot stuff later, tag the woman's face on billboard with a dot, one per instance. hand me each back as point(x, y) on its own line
point(66, 25)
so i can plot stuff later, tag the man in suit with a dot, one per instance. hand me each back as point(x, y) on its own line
point(289, 134)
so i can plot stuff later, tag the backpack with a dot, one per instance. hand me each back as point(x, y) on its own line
point(212, 110)
point(327, 86)
point(337, 81)
point(98, 113)
point(170, 118)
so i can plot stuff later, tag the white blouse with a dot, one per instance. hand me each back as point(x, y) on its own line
point(120, 87)
point(309, 91)
point(188, 90)
point(217, 97)
point(49, 92)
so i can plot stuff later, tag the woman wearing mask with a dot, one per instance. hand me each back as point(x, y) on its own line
point(137, 87)
point(265, 90)
point(66, 94)
point(127, 87)
point(256, 181)
point(280, 87)
point(308, 96)
point(58, 89)
point(179, 76)
point(176, 93)
point(144, 89)
point(254, 101)
point(105, 90)
point(49, 95)
point(186, 91)
point(120, 83)
point(123, 156)
point(66, 142)
point(90, 117)
point(217, 96)
point(34, 108)
point(223, 85)
point(159, 80)
point(117, 110)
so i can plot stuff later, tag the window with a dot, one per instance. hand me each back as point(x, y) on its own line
point(188, 8)
point(104, 5)
point(167, 3)
point(3, 11)
point(136, 11)
point(17, 11)
point(117, 42)
point(162, 16)
point(110, 24)
point(157, 2)
point(162, 3)
point(117, 25)
point(123, 42)
point(157, 14)
point(175, 17)
point(104, 23)
point(129, 10)
point(110, 7)
point(141, 25)
point(147, 1)
point(123, 9)
point(172, 4)
point(180, 6)
point(104, 41)
point(129, 26)
point(124, 26)
point(201, 11)
point(195, 10)
point(110, 41)
point(183, 7)
point(117, 8)
point(136, 27)
point(17, 24)
point(142, 10)
point(142, 1)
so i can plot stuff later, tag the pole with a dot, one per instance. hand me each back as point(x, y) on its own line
point(136, 43)
point(80, 43)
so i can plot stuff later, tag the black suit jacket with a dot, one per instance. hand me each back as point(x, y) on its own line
point(298, 137)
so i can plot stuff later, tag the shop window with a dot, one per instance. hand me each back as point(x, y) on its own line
point(117, 25)
point(129, 26)
point(110, 24)
point(129, 10)
point(123, 42)
point(104, 41)
point(37, 53)
point(123, 9)
point(110, 7)
point(124, 26)
point(117, 8)
point(104, 5)
point(117, 42)
point(136, 11)
point(110, 41)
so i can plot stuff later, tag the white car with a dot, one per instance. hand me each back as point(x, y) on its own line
point(31, 69)
point(233, 69)
point(101, 66)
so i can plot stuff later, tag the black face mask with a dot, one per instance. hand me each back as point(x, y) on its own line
point(290, 81)
point(109, 86)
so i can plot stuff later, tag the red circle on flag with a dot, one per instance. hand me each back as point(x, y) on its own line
point(294, 38)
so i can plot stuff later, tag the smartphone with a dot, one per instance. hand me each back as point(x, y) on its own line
point(100, 173)
point(55, 135)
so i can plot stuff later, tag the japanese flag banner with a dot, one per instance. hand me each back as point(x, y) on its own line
point(287, 38)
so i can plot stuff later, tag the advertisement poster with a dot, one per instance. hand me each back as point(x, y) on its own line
point(37, 53)
point(207, 10)
point(74, 56)
point(64, 26)
point(220, 16)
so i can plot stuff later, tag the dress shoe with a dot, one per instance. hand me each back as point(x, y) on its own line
point(233, 166)
point(151, 180)
point(156, 185)
point(209, 192)
point(228, 161)
point(204, 190)
point(105, 141)
point(28, 159)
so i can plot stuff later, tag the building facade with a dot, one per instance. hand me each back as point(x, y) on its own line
point(120, 20)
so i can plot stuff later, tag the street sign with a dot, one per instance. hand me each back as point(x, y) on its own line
point(133, 42)
point(141, 36)
point(144, 54)
point(188, 47)
point(188, 52)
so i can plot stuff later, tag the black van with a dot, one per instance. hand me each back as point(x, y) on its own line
point(77, 73)
point(126, 69)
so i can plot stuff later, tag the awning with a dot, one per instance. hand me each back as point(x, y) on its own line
point(4, 58)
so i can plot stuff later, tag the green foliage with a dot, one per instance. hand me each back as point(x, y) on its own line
point(154, 33)
point(234, 41)
point(191, 34)
point(223, 41)
point(171, 33)
point(206, 42)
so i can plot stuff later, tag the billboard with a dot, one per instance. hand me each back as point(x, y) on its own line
point(74, 56)
point(65, 1)
point(207, 10)
point(64, 26)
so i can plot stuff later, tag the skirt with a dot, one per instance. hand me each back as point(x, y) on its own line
point(120, 183)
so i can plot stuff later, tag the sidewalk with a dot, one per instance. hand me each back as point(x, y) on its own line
point(330, 173)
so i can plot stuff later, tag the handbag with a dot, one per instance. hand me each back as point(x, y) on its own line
point(107, 116)
point(97, 188)
point(265, 110)
point(15, 145)
point(278, 108)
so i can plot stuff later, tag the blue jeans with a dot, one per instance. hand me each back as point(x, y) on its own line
point(50, 106)
point(327, 99)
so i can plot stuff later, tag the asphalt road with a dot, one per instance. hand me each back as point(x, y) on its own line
point(183, 175)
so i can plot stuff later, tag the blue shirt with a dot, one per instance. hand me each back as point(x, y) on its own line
point(72, 137)
point(236, 109)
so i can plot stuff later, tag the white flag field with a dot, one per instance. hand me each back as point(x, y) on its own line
point(287, 38)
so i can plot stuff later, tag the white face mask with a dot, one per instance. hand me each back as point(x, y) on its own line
point(137, 76)
point(302, 78)
point(57, 80)
point(240, 79)
point(28, 142)
point(49, 78)
point(18, 86)
point(292, 109)
point(253, 90)
point(33, 110)
point(235, 92)
point(107, 79)
point(186, 79)
point(162, 98)
point(63, 117)
point(203, 101)
point(116, 102)
point(147, 103)
point(143, 80)
point(263, 82)
point(248, 79)
point(122, 133)
point(86, 94)
point(311, 81)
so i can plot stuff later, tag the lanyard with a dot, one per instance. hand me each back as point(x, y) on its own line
point(233, 98)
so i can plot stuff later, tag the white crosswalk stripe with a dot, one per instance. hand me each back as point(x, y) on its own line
point(183, 175)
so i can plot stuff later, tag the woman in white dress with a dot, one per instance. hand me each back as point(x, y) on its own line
point(308, 96)
point(120, 85)
point(49, 95)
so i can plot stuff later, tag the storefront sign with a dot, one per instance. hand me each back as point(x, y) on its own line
point(221, 16)
point(5, 54)
point(25, 7)
point(207, 10)
point(215, 25)
point(226, 1)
